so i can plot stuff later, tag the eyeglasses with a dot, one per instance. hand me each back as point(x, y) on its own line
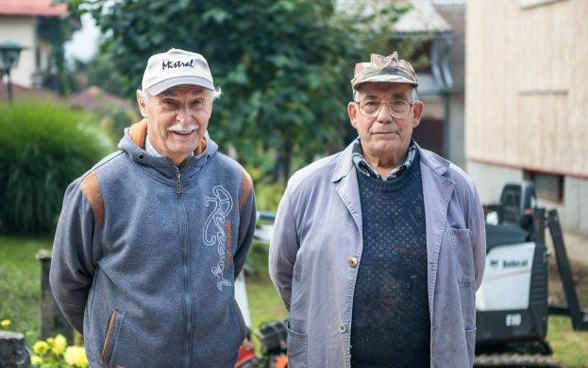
point(371, 108)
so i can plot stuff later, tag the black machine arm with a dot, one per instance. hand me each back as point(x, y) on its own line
point(579, 317)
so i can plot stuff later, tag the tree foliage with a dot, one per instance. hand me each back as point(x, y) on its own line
point(284, 66)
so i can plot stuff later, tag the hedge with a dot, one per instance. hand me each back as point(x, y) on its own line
point(43, 147)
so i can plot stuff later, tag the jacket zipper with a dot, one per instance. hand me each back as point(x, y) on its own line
point(178, 183)
point(185, 257)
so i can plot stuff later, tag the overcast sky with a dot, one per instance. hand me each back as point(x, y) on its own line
point(84, 42)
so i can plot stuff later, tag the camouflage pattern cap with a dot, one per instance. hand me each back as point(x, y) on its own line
point(384, 69)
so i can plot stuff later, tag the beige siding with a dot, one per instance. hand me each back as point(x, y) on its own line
point(527, 84)
point(21, 29)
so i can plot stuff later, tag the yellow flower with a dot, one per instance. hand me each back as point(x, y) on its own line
point(76, 356)
point(59, 345)
point(5, 323)
point(35, 359)
point(50, 341)
point(40, 347)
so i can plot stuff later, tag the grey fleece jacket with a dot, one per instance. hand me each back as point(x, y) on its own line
point(146, 254)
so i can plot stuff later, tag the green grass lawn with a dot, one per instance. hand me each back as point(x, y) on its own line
point(569, 347)
point(20, 284)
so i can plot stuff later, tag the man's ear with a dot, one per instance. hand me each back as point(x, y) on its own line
point(142, 104)
point(418, 109)
point(352, 112)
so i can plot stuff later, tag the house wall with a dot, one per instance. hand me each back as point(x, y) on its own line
point(45, 55)
point(21, 29)
point(454, 148)
point(572, 210)
point(527, 96)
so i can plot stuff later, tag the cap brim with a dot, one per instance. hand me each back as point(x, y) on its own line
point(159, 87)
point(385, 79)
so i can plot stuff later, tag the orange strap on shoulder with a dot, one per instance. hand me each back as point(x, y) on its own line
point(246, 188)
point(93, 194)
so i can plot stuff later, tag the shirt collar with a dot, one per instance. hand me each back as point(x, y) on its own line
point(364, 167)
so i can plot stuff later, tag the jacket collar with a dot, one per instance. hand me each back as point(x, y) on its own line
point(344, 163)
point(435, 162)
point(133, 143)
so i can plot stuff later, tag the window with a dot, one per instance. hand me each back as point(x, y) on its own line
point(547, 186)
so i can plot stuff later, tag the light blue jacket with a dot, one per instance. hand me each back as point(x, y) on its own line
point(146, 255)
point(316, 251)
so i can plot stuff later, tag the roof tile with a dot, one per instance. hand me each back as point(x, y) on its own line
point(32, 7)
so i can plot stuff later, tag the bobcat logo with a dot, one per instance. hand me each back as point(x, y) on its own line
point(215, 230)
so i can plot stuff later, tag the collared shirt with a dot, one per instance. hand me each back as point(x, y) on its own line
point(363, 167)
point(150, 149)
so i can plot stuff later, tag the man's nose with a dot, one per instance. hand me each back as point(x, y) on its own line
point(184, 116)
point(384, 114)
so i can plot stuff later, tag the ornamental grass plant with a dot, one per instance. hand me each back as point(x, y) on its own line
point(44, 146)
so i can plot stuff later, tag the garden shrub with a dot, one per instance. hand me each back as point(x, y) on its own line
point(43, 147)
point(54, 353)
point(267, 196)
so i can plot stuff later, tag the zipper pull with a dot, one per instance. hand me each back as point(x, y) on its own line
point(178, 183)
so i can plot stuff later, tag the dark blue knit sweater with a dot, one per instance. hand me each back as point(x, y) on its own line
point(390, 325)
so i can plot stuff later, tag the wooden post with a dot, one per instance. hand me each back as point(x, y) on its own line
point(13, 350)
point(52, 320)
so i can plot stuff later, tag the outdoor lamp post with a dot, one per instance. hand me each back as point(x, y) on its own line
point(9, 54)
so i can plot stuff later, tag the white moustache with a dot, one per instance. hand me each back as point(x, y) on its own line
point(179, 128)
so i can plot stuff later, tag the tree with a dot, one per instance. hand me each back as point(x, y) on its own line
point(98, 71)
point(284, 66)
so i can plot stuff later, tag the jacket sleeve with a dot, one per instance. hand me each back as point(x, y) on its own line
point(74, 255)
point(248, 216)
point(477, 225)
point(283, 249)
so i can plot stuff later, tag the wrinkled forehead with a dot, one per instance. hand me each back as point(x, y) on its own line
point(385, 90)
point(183, 90)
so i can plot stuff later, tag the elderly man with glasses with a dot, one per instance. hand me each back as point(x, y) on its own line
point(378, 250)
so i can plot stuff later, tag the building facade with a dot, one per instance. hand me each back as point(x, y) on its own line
point(527, 101)
point(30, 23)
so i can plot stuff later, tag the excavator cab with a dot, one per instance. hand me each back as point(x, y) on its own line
point(512, 303)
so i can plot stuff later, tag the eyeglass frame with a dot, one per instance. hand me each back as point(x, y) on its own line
point(389, 103)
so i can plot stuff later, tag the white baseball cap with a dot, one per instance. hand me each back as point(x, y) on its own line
point(176, 67)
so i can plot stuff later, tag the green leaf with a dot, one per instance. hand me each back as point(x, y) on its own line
point(216, 14)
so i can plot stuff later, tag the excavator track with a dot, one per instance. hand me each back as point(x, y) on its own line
point(516, 361)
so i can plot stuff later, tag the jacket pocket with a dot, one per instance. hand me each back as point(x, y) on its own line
point(240, 319)
point(297, 348)
point(463, 255)
point(110, 340)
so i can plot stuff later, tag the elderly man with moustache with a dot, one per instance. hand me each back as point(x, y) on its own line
point(378, 250)
point(151, 239)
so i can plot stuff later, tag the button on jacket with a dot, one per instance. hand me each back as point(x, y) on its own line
point(316, 250)
point(146, 255)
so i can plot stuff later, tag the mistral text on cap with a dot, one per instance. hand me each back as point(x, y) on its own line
point(168, 64)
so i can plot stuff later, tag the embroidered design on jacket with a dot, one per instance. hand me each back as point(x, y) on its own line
point(223, 204)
